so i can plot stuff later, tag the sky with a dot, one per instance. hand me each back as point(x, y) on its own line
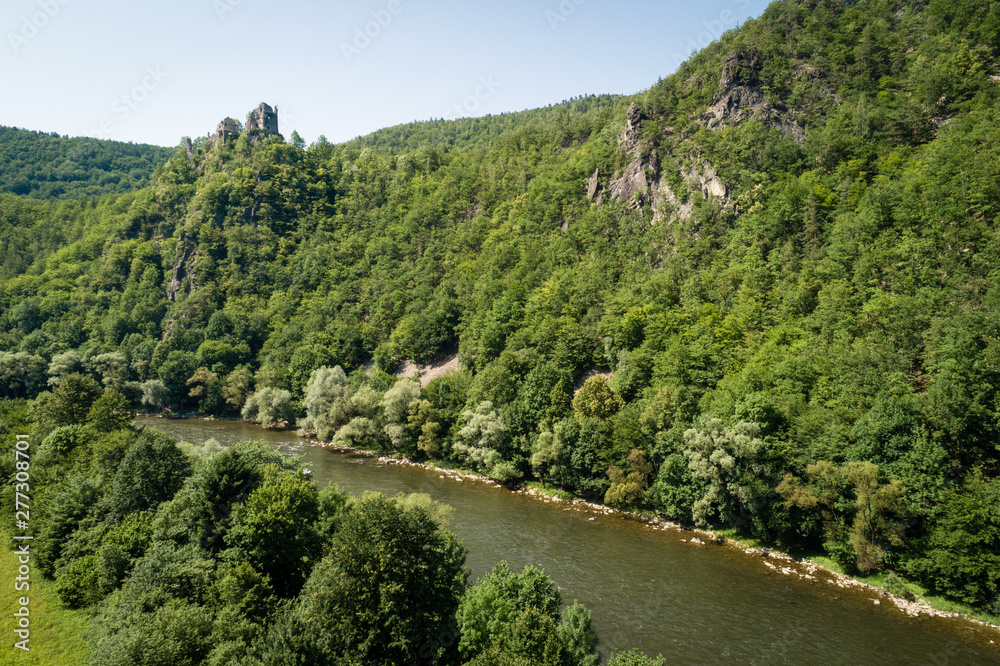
point(154, 72)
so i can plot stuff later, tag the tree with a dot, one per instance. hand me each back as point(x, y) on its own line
point(22, 375)
point(201, 511)
point(174, 373)
point(327, 402)
point(237, 388)
point(731, 463)
point(391, 582)
point(112, 411)
point(630, 489)
point(396, 405)
point(960, 557)
point(497, 599)
point(598, 400)
point(861, 531)
point(636, 657)
point(152, 471)
point(63, 364)
point(546, 453)
point(112, 368)
point(269, 406)
point(72, 399)
point(481, 437)
point(154, 394)
point(274, 529)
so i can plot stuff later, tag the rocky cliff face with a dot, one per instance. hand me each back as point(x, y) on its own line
point(739, 97)
point(644, 182)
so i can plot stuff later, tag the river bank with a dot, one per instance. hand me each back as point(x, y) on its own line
point(769, 562)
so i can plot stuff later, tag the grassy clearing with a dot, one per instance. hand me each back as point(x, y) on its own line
point(57, 634)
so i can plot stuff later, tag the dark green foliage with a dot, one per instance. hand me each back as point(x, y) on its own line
point(822, 270)
point(392, 579)
point(275, 530)
point(201, 511)
point(152, 471)
point(48, 166)
point(961, 554)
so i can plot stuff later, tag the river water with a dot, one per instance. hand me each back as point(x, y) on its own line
point(647, 588)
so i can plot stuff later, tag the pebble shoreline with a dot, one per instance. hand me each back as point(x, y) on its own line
point(780, 563)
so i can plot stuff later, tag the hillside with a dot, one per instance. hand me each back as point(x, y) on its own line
point(48, 166)
point(785, 256)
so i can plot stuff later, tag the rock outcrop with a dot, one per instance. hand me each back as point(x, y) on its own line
point(634, 179)
point(643, 181)
point(739, 97)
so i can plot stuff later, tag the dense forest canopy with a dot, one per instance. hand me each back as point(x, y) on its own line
point(763, 294)
point(47, 166)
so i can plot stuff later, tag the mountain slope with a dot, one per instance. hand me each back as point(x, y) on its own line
point(47, 166)
point(785, 255)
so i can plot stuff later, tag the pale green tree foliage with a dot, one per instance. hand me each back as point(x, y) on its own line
point(328, 402)
point(112, 368)
point(269, 406)
point(479, 439)
point(154, 393)
point(22, 375)
point(731, 463)
point(62, 365)
point(366, 401)
point(546, 452)
point(357, 432)
point(396, 405)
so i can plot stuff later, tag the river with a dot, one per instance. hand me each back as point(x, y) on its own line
point(647, 588)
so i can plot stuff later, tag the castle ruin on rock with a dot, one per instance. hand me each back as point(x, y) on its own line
point(261, 122)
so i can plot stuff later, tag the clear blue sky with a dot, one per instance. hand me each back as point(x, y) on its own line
point(154, 72)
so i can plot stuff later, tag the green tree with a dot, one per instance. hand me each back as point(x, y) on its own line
point(597, 400)
point(732, 464)
point(497, 600)
point(328, 402)
point(391, 581)
point(960, 556)
point(274, 529)
point(269, 406)
point(154, 394)
point(112, 411)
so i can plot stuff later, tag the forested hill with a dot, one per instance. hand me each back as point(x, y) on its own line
point(46, 165)
point(775, 275)
point(478, 133)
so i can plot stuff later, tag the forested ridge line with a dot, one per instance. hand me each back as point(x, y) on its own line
point(762, 294)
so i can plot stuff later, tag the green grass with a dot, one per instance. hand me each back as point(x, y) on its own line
point(57, 634)
point(549, 490)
